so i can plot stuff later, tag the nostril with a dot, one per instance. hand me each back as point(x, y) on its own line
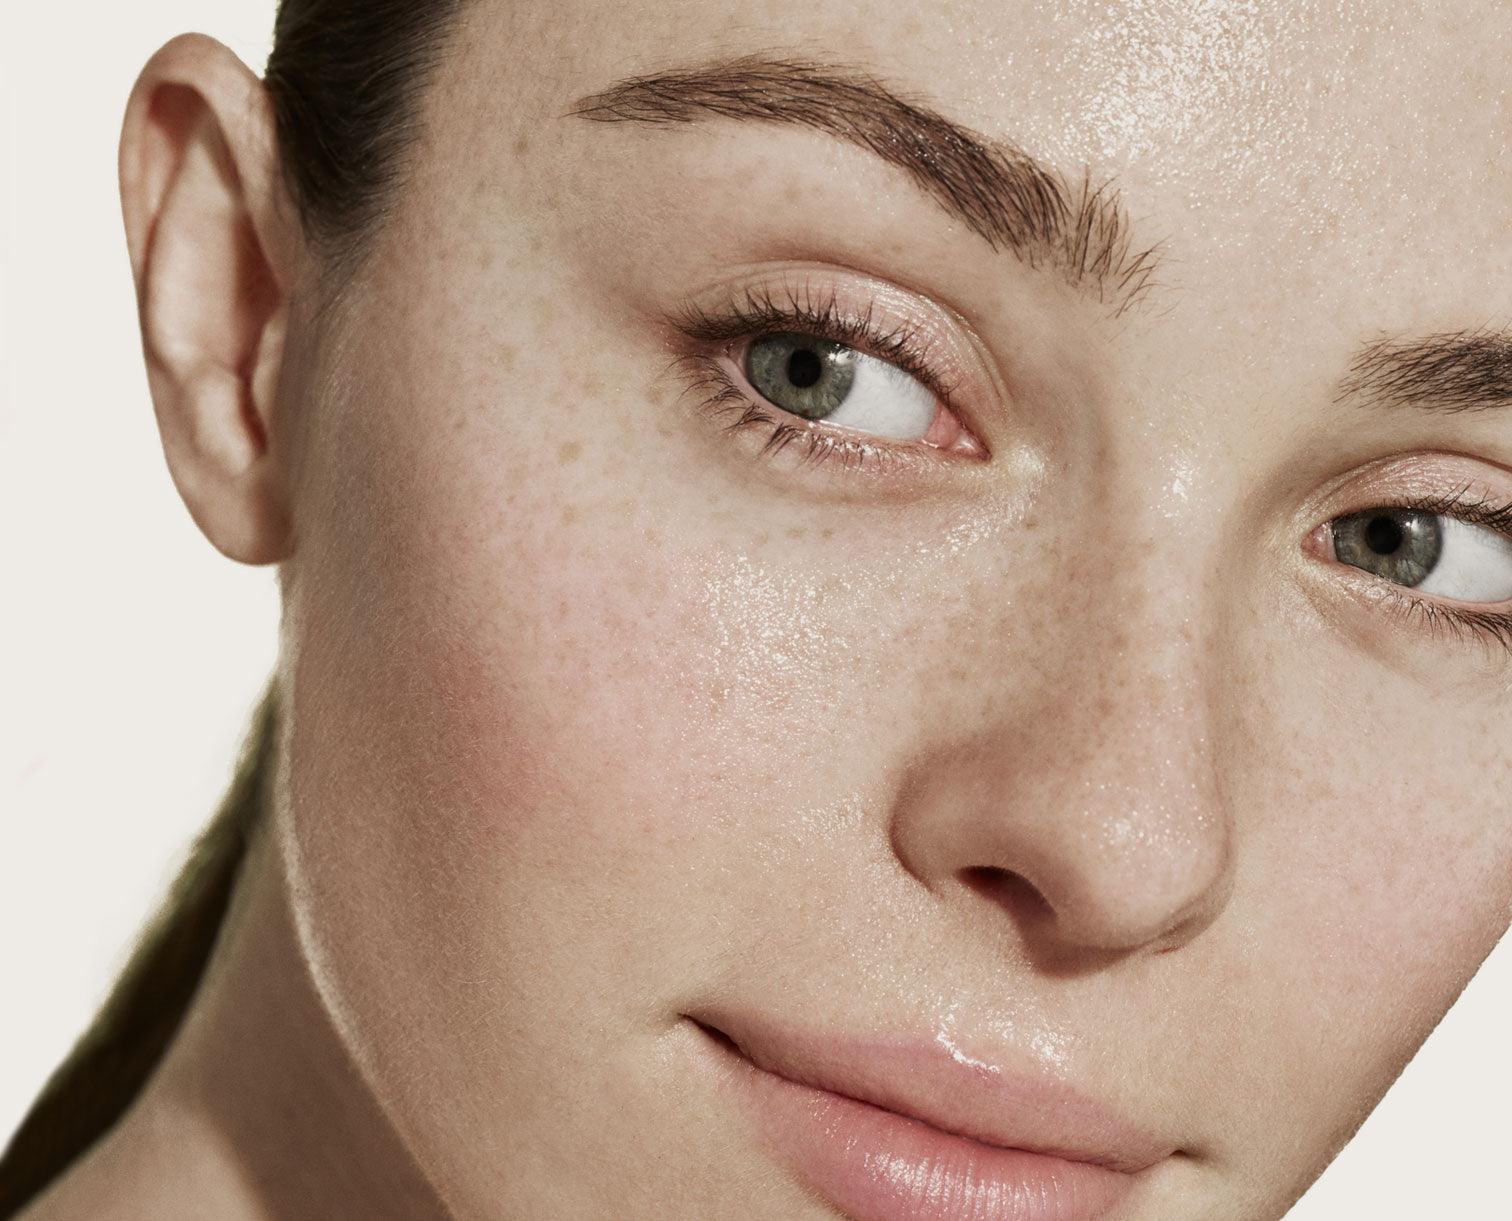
point(1012, 892)
point(1044, 942)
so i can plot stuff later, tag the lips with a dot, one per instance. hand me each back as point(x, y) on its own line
point(892, 1128)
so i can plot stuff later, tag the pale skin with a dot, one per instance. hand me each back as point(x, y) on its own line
point(1078, 747)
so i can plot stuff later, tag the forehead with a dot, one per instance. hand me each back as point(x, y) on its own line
point(1331, 149)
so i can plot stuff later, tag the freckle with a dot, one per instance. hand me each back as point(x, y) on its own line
point(568, 451)
point(796, 532)
point(506, 358)
point(569, 515)
point(827, 533)
point(522, 146)
point(762, 539)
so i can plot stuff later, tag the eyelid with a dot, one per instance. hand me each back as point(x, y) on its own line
point(900, 468)
point(1418, 482)
point(875, 466)
point(931, 342)
point(1470, 622)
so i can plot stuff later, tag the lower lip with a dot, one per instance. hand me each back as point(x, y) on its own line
point(876, 1165)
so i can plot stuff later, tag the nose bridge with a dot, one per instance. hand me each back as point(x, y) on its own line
point(1120, 816)
point(1125, 831)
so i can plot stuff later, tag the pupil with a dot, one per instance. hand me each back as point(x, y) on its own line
point(1383, 535)
point(804, 368)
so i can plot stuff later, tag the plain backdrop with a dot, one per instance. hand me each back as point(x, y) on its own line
point(133, 652)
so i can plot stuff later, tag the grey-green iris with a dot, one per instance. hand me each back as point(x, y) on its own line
point(1398, 545)
point(803, 374)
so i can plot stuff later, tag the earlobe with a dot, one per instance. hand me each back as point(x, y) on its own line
point(199, 187)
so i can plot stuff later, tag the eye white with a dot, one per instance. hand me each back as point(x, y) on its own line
point(1474, 564)
point(886, 401)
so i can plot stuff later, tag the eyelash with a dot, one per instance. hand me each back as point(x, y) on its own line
point(1445, 618)
point(761, 310)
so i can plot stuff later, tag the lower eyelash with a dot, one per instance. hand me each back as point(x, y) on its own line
point(1440, 620)
point(1444, 619)
point(723, 398)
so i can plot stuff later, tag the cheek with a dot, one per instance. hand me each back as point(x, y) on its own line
point(1376, 860)
point(615, 683)
point(1407, 854)
point(550, 646)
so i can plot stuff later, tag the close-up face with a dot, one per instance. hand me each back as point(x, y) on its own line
point(857, 562)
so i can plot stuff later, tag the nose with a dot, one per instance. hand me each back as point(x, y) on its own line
point(1088, 800)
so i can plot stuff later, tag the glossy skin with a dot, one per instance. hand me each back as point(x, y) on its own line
point(599, 719)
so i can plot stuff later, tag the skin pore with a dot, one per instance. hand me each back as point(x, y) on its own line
point(1066, 742)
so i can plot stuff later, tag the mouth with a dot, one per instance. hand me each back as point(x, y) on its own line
point(865, 1124)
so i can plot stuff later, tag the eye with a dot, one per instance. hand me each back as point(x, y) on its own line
point(820, 379)
point(1430, 552)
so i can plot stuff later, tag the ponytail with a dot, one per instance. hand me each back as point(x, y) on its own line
point(110, 1064)
point(344, 79)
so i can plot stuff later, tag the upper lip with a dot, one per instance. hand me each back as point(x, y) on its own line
point(948, 1087)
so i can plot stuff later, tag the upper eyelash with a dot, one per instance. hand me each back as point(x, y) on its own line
point(760, 311)
point(1477, 512)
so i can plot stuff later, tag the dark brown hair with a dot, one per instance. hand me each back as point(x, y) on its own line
point(345, 77)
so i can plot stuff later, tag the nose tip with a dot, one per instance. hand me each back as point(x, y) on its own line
point(1154, 877)
point(1113, 838)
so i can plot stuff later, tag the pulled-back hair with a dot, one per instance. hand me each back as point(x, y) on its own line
point(345, 78)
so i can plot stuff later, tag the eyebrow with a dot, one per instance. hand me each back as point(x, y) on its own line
point(1454, 371)
point(995, 188)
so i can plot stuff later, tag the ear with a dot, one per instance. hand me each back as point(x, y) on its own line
point(213, 243)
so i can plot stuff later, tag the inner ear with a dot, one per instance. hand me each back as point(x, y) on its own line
point(258, 341)
point(208, 288)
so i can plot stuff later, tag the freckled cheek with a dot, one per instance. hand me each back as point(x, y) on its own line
point(576, 634)
point(558, 693)
point(612, 688)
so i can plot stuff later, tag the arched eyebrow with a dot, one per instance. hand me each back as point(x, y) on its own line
point(1453, 371)
point(996, 189)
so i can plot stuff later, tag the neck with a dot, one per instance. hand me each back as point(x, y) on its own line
point(257, 1111)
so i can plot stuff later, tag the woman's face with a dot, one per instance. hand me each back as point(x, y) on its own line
point(1007, 739)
